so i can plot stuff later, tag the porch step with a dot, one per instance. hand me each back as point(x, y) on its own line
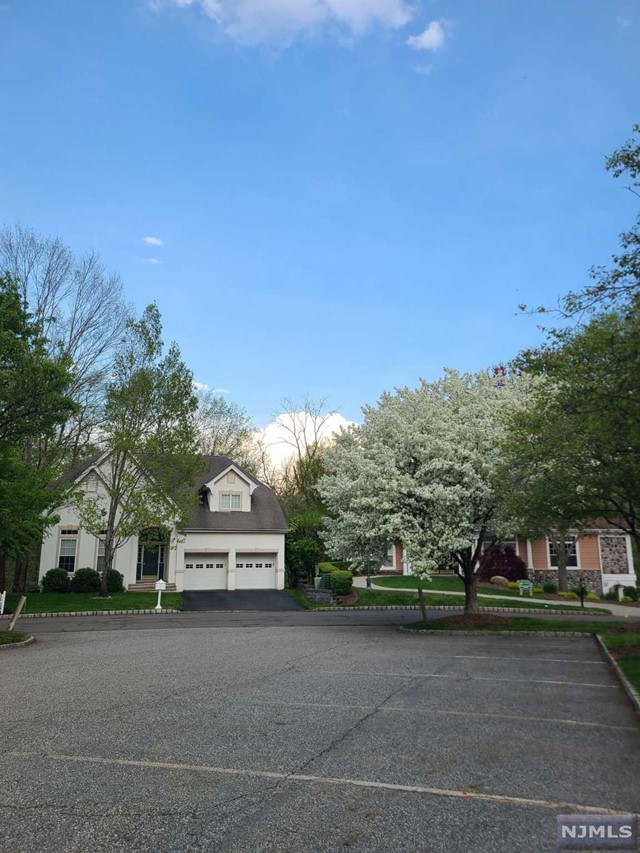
point(149, 586)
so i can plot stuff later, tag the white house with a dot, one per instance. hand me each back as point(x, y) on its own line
point(234, 541)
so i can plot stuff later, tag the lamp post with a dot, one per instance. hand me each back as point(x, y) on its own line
point(160, 586)
point(368, 574)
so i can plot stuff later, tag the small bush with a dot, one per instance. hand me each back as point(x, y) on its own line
point(612, 595)
point(498, 580)
point(626, 599)
point(503, 563)
point(631, 591)
point(538, 589)
point(86, 580)
point(550, 588)
point(568, 595)
point(115, 582)
point(513, 585)
point(341, 582)
point(56, 580)
point(591, 596)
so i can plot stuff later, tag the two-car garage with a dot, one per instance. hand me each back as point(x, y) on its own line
point(204, 571)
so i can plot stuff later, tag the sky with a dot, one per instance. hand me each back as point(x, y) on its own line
point(324, 197)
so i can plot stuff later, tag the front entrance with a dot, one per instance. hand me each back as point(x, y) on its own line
point(150, 561)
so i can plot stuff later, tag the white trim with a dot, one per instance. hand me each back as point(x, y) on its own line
point(245, 479)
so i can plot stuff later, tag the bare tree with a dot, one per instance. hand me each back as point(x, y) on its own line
point(224, 429)
point(82, 313)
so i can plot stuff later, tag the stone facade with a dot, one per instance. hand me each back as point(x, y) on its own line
point(613, 551)
point(592, 581)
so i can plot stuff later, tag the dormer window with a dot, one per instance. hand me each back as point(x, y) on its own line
point(230, 501)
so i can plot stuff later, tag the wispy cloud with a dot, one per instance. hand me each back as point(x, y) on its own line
point(425, 70)
point(432, 38)
point(255, 21)
point(153, 241)
point(154, 260)
point(624, 22)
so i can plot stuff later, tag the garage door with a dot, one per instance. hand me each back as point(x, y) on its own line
point(255, 572)
point(205, 571)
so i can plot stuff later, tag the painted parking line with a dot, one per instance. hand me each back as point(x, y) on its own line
point(447, 713)
point(314, 672)
point(556, 805)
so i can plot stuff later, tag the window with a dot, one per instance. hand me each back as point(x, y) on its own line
point(188, 565)
point(239, 565)
point(258, 565)
point(268, 565)
point(91, 483)
point(229, 501)
point(199, 565)
point(231, 477)
point(388, 560)
point(68, 548)
point(219, 565)
point(100, 554)
point(248, 565)
point(572, 552)
point(209, 565)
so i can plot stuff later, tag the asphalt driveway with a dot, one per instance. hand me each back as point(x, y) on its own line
point(251, 599)
point(307, 739)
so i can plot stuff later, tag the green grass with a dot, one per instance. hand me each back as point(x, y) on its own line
point(377, 597)
point(58, 602)
point(298, 595)
point(7, 637)
point(444, 583)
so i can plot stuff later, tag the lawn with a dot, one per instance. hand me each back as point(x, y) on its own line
point(445, 583)
point(623, 641)
point(58, 602)
point(7, 637)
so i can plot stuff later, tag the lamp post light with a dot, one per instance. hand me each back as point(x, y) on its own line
point(368, 574)
point(160, 586)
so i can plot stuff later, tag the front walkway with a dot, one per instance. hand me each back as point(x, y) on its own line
point(620, 610)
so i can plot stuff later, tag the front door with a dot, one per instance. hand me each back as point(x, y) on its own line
point(151, 561)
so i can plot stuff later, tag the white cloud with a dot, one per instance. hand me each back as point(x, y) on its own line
point(425, 70)
point(153, 241)
point(200, 386)
point(276, 436)
point(253, 21)
point(431, 39)
point(154, 260)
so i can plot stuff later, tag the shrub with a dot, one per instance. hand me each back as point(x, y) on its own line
point(115, 582)
point(612, 595)
point(626, 599)
point(341, 582)
point(513, 585)
point(591, 596)
point(56, 580)
point(86, 580)
point(631, 591)
point(504, 563)
point(550, 588)
point(498, 580)
point(568, 595)
point(538, 589)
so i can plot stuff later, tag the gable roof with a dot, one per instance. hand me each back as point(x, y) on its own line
point(266, 513)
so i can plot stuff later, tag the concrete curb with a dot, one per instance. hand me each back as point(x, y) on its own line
point(523, 610)
point(91, 613)
point(630, 690)
point(445, 633)
point(4, 647)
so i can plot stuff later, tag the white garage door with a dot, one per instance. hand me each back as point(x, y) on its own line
point(205, 571)
point(255, 571)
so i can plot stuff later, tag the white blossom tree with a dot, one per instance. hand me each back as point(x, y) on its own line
point(422, 469)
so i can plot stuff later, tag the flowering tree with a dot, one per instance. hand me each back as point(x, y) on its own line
point(422, 469)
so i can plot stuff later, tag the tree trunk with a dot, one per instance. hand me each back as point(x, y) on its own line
point(3, 572)
point(20, 574)
point(470, 580)
point(108, 563)
point(423, 606)
point(561, 551)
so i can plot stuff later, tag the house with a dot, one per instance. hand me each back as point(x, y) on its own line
point(601, 557)
point(235, 540)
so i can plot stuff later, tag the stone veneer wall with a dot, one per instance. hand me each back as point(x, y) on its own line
point(613, 550)
point(592, 580)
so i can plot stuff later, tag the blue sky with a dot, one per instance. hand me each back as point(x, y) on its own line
point(350, 194)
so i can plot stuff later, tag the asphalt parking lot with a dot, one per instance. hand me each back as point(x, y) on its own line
point(307, 739)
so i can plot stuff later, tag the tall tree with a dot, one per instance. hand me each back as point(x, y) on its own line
point(421, 469)
point(80, 310)
point(150, 441)
point(34, 401)
point(224, 429)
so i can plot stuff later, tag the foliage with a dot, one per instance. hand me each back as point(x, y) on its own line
point(85, 580)
point(301, 556)
point(341, 582)
point(52, 602)
point(151, 460)
point(224, 428)
point(631, 591)
point(550, 588)
point(421, 470)
point(591, 596)
point(56, 580)
point(513, 585)
point(568, 595)
point(116, 582)
point(502, 561)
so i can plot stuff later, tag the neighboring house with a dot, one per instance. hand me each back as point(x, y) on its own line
point(234, 541)
point(602, 557)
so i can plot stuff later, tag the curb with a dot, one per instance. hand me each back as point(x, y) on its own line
point(630, 690)
point(91, 613)
point(523, 610)
point(436, 632)
point(6, 646)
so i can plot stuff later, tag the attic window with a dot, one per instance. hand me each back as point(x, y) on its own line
point(91, 483)
point(230, 501)
point(231, 477)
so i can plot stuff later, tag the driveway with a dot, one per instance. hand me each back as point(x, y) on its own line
point(301, 739)
point(251, 599)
